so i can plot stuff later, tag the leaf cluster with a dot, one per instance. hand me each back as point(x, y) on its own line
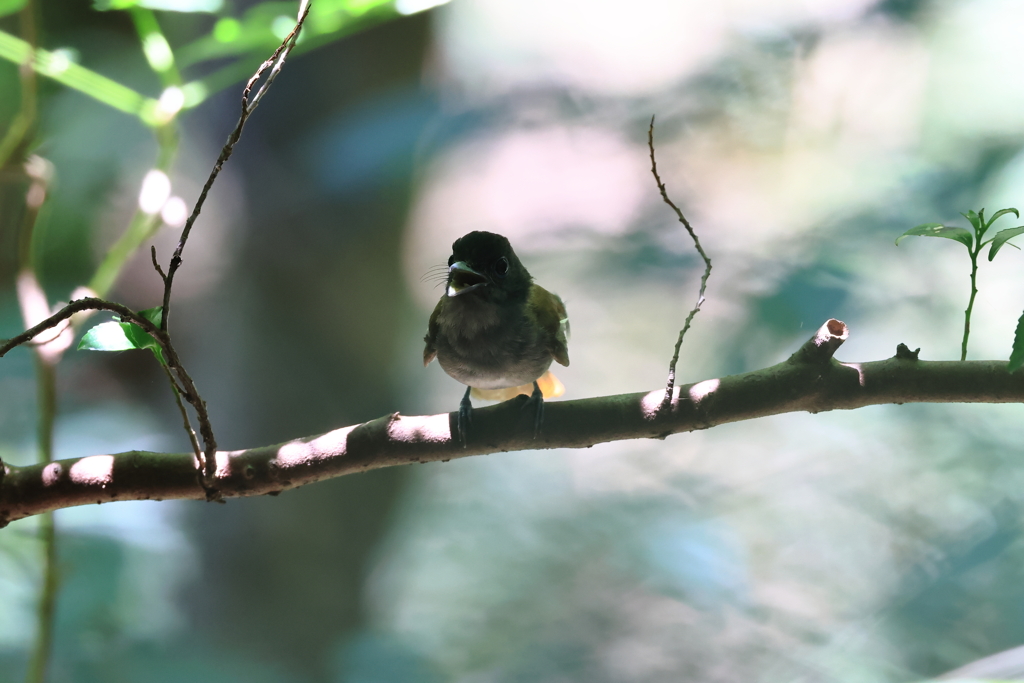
point(974, 240)
point(227, 48)
point(966, 237)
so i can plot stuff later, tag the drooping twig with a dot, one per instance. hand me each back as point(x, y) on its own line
point(175, 389)
point(184, 413)
point(670, 385)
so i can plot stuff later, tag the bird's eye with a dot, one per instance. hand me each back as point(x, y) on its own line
point(501, 267)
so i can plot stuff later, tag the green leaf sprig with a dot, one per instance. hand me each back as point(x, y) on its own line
point(975, 242)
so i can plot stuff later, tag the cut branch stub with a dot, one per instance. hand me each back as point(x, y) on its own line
point(820, 348)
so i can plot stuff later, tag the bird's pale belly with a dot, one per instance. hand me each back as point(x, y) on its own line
point(480, 375)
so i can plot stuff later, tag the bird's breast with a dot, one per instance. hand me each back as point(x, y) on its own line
point(489, 347)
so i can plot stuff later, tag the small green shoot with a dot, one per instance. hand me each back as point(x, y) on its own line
point(120, 336)
point(974, 242)
point(1017, 354)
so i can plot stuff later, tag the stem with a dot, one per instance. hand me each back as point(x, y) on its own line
point(33, 304)
point(970, 304)
point(46, 381)
point(25, 121)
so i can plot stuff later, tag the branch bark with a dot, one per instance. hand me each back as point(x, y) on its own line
point(810, 380)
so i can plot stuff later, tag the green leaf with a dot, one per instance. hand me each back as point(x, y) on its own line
point(1001, 238)
point(143, 340)
point(154, 315)
point(939, 230)
point(10, 6)
point(1001, 212)
point(118, 336)
point(106, 337)
point(976, 221)
point(1017, 355)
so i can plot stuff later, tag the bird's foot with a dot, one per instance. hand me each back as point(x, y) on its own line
point(536, 399)
point(465, 417)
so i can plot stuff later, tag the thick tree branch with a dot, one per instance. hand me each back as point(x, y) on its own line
point(810, 380)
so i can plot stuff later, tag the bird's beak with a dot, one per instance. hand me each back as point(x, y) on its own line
point(462, 279)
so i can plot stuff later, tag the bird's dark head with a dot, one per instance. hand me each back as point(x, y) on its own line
point(483, 264)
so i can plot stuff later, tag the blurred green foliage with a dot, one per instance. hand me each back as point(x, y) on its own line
point(246, 40)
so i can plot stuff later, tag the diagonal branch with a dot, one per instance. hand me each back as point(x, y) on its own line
point(275, 64)
point(810, 380)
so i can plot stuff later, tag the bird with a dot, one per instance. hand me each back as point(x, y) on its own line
point(494, 329)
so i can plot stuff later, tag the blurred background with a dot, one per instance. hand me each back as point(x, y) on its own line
point(800, 139)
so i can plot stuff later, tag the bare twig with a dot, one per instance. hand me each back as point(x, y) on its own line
point(670, 385)
point(176, 390)
point(156, 264)
point(275, 63)
point(175, 387)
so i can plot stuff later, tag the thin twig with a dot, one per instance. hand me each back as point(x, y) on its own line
point(184, 414)
point(156, 264)
point(670, 385)
point(275, 63)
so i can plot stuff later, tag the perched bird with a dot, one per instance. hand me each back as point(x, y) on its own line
point(494, 330)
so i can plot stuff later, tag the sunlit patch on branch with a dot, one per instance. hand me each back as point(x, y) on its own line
point(420, 428)
point(652, 402)
point(51, 473)
point(94, 470)
point(701, 390)
point(303, 452)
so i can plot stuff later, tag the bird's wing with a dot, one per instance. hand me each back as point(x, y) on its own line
point(550, 313)
point(429, 351)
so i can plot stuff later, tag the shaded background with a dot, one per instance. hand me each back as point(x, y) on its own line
point(799, 138)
